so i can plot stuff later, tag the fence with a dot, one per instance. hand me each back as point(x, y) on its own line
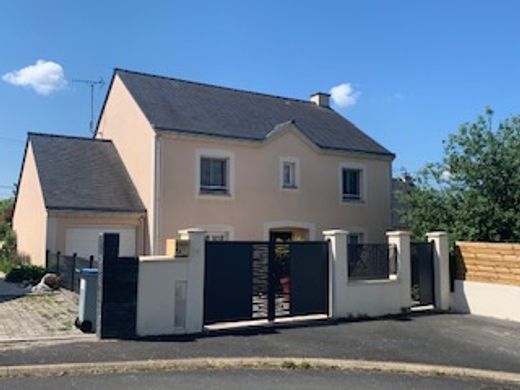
point(66, 268)
point(371, 261)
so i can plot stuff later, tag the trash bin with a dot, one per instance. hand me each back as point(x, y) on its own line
point(88, 287)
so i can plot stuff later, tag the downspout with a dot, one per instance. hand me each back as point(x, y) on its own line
point(156, 177)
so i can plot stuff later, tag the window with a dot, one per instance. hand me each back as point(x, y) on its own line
point(217, 236)
point(355, 238)
point(289, 173)
point(351, 184)
point(214, 176)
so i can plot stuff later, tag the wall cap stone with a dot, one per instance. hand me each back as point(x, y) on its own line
point(397, 233)
point(335, 232)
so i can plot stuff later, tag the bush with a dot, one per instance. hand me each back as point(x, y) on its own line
point(20, 273)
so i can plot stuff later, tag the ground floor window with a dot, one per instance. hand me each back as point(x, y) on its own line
point(217, 236)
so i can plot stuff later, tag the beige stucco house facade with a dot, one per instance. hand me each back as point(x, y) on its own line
point(241, 165)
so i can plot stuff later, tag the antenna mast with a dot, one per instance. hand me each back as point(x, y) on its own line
point(91, 84)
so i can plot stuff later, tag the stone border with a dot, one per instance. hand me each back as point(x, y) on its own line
point(287, 363)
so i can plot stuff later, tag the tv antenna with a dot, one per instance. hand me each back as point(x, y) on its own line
point(91, 84)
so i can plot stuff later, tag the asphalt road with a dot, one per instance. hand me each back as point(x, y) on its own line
point(250, 379)
point(446, 339)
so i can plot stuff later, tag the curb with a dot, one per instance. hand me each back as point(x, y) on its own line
point(287, 363)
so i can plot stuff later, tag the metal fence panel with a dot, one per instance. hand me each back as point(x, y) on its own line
point(371, 261)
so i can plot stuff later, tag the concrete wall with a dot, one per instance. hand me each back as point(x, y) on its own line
point(123, 122)
point(360, 298)
point(170, 291)
point(30, 215)
point(487, 299)
point(257, 203)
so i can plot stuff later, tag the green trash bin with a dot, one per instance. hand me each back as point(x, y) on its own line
point(87, 309)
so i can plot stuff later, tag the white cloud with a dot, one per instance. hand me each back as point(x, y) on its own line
point(44, 77)
point(344, 95)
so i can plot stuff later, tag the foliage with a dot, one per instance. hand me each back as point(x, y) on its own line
point(25, 272)
point(474, 192)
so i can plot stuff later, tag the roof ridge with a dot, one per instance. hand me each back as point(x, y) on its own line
point(214, 86)
point(65, 136)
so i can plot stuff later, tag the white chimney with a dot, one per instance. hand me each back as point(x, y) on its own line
point(321, 99)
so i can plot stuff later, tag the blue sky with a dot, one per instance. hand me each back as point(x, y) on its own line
point(416, 69)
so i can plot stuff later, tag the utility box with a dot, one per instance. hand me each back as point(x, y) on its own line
point(87, 309)
point(177, 248)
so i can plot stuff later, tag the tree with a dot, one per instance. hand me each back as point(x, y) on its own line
point(474, 192)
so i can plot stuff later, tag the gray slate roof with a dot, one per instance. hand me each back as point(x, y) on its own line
point(184, 106)
point(83, 174)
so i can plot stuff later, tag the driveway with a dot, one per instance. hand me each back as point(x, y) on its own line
point(442, 339)
point(25, 316)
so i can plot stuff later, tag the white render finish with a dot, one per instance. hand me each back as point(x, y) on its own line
point(486, 299)
point(441, 269)
point(371, 298)
point(338, 278)
point(401, 239)
point(158, 276)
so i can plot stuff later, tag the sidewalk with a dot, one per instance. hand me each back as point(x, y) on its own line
point(441, 339)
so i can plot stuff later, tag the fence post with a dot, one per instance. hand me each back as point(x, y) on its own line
point(90, 261)
point(401, 240)
point(441, 268)
point(73, 272)
point(58, 262)
point(338, 272)
point(195, 293)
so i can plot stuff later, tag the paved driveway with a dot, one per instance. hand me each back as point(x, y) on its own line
point(30, 317)
point(446, 339)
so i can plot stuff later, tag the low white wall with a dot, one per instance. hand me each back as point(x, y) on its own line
point(486, 299)
point(170, 291)
point(372, 298)
point(156, 295)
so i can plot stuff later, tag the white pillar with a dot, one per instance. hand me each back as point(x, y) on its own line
point(195, 293)
point(401, 239)
point(338, 267)
point(441, 268)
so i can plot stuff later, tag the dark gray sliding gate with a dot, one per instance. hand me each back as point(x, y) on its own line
point(422, 273)
point(263, 280)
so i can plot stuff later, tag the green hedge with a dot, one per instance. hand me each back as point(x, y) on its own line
point(20, 273)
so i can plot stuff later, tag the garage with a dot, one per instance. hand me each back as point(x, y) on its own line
point(84, 240)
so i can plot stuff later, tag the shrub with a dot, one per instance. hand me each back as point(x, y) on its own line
point(20, 273)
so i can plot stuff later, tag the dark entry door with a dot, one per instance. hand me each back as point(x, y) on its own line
point(422, 273)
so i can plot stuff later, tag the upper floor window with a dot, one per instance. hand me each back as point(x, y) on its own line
point(214, 175)
point(351, 186)
point(289, 173)
point(352, 182)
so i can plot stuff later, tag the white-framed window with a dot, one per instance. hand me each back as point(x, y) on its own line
point(352, 183)
point(215, 170)
point(217, 236)
point(356, 238)
point(289, 173)
point(214, 175)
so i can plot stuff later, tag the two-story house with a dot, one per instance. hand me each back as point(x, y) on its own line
point(170, 154)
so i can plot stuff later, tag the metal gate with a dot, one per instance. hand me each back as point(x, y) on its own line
point(422, 273)
point(263, 280)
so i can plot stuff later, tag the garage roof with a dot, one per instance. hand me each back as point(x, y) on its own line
point(83, 174)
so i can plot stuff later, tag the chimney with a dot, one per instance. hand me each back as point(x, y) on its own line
point(321, 99)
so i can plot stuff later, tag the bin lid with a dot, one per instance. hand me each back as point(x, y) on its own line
point(88, 271)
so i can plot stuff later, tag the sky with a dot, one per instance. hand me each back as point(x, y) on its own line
point(407, 73)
